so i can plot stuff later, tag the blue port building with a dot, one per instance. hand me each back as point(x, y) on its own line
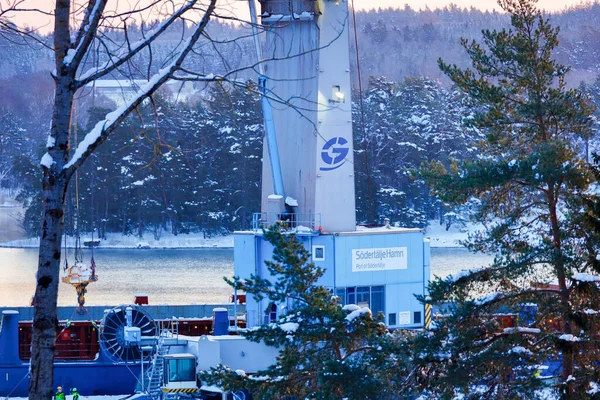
point(381, 269)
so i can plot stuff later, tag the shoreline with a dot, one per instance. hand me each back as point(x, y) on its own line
point(436, 234)
point(3, 246)
point(110, 247)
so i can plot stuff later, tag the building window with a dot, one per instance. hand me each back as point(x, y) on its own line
point(417, 317)
point(377, 299)
point(271, 313)
point(351, 295)
point(392, 319)
point(337, 96)
point(318, 253)
point(341, 293)
point(181, 370)
point(289, 305)
point(365, 296)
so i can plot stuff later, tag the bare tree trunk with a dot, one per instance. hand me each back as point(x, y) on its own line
point(54, 184)
point(568, 354)
point(46, 293)
point(58, 169)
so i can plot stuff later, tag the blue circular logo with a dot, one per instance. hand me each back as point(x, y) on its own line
point(334, 153)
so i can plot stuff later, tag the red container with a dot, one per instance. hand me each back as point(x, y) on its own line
point(140, 299)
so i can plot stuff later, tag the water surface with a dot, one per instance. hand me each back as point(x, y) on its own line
point(180, 276)
point(166, 276)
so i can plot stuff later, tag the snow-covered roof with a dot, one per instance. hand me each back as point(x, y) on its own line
point(211, 388)
point(380, 230)
point(488, 298)
point(290, 201)
point(569, 338)
point(521, 329)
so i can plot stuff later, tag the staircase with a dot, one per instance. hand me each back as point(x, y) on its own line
point(155, 373)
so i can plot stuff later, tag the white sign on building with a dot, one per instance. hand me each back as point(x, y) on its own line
point(384, 259)
point(404, 318)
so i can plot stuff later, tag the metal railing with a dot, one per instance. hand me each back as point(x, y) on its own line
point(285, 7)
point(293, 222)
point(170, 325)
point(155, 372)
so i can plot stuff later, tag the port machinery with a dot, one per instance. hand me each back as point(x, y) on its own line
point(116, 328)
point(173, 360)
point(307, 181)
point(94, 357)
point(129, 351)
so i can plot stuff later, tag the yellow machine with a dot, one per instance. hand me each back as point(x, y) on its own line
point(79, 275)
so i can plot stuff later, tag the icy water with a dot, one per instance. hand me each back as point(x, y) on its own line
point(446, 260)
point(167, 276)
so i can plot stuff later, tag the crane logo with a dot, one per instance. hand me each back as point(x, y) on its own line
point(334, 153)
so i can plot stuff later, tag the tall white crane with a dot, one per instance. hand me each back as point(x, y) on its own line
point(309, 88)
point(308, 171)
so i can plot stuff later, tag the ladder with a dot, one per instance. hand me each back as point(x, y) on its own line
point(156, 372)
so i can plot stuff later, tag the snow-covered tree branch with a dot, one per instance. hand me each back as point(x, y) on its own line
point(72, 50)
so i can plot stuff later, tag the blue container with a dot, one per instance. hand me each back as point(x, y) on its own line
point(220, 322)
point(9, 338)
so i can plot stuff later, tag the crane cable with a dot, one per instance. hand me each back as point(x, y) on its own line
point(92, 262)
point(362, 118)
point(73, 126)
point(64, 219)
point(78, 255)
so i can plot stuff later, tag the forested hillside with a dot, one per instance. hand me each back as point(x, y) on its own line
point(194, 166)
point(404, 42)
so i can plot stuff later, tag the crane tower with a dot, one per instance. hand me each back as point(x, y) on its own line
point(309, 83)
point(308, 171)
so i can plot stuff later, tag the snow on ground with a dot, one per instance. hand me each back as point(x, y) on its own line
point(437, 234)
point(81, 397)
point(117, 241)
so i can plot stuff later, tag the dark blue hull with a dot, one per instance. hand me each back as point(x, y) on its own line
point(89, 377)
point(100, 376)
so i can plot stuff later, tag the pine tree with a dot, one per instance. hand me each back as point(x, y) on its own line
point(533, 183)
point(326, 351)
